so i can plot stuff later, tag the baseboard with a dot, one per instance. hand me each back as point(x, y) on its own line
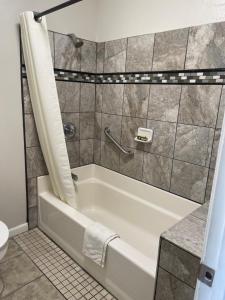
point(18, 229)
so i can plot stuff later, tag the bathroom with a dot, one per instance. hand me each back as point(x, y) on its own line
point(112, 145)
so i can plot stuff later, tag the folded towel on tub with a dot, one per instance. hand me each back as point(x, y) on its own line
point(96, 239)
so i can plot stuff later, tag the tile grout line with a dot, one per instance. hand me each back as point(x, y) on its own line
point(43, 275)
point(175, 139)
point(148, 105)
point(122, 108)
point(21, 287)
point(177, 278)
point(207, 180)
point(35, 239)
point(177, 121)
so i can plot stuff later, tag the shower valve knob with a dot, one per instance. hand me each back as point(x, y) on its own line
point(69, 130)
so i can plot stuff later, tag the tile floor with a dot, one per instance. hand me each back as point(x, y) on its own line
point(35, 268)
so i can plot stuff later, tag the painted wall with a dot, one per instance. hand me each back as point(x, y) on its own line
point(12, 169)
point(118, 19)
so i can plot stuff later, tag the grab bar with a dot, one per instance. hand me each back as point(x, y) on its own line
point(108, 134)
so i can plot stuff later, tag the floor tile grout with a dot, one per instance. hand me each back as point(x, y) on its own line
point(61, 270)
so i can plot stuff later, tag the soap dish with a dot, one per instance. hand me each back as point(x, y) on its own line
point(144, 135)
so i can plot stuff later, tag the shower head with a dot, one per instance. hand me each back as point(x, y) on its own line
point(76, 41)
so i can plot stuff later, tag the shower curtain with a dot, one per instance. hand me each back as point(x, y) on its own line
point(44, 98)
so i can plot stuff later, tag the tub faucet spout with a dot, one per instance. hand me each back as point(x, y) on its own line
point(74, 177)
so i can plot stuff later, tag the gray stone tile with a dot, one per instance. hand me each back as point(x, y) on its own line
point(1, 286)
point(140, 53)
point(157, 170)
point(51, 42)
point(87, 124)
point(215, 148)
point(112, 101)
point(97, 152)
point(170, 288)
point(86, 152)
point(73, 149)
point(88, 56)
point(12, 251)
point(75, 119)
point(110, 156)
point(39, 289)
point(221, 109)
point(132, 165)
point(129, 131)
point(136, 100)
point(32, 191)
point(188, 234)
point(69, 96)
point(100, 57)
point(99, 96)
point(114, 123)
point(115, 56)
point(209, 185)
point(87, 99)
point(67, 56)
point(98, 126)
point(199, 105)
point(170, 50)
point(164, 102)
point(194, 144)
point(179, 263)
point(35, 162)
point(11, 271)
point(163, 138)
point(26, 97)
point(32, 217)
point(189, 181)
point(202, 212)
point(206, 46)
point(30, 131)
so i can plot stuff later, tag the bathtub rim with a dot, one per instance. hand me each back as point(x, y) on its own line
point(95, 173)
point(146, 264)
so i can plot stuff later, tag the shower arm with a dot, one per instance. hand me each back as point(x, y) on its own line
point(108, 134)
point(37, 15)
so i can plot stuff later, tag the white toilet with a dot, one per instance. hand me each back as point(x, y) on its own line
point(4, 236)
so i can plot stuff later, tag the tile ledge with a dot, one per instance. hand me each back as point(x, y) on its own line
point(188, 234)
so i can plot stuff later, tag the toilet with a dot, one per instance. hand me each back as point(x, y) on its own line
point(4, 236)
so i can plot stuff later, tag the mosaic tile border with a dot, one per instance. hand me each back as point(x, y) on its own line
point(62, 271)
point(71, 76)
point(170, 77)
point(201, 76)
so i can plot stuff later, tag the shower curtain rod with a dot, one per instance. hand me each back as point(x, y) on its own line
point(37, 15)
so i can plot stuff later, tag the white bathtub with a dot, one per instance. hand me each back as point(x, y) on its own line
point(139, 213)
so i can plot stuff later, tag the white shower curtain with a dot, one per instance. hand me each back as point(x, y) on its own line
point(44, 98)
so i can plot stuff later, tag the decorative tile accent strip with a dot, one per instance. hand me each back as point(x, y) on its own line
point(202, 76)
point(64, 273)
point(170, 77)
point(67, 75)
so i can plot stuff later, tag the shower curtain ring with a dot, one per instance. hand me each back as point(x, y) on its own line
point(36, 18)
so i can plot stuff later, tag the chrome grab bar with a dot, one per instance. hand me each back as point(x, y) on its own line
point(108, 134)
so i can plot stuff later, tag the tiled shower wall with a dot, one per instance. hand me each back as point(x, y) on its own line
point(77, 103)
point(186, 119)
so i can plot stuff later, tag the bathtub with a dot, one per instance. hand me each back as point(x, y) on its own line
point(139, 213)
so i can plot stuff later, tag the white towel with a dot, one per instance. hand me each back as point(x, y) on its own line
point(96, 239)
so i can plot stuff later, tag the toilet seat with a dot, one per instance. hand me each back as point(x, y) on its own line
point(4, 235)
